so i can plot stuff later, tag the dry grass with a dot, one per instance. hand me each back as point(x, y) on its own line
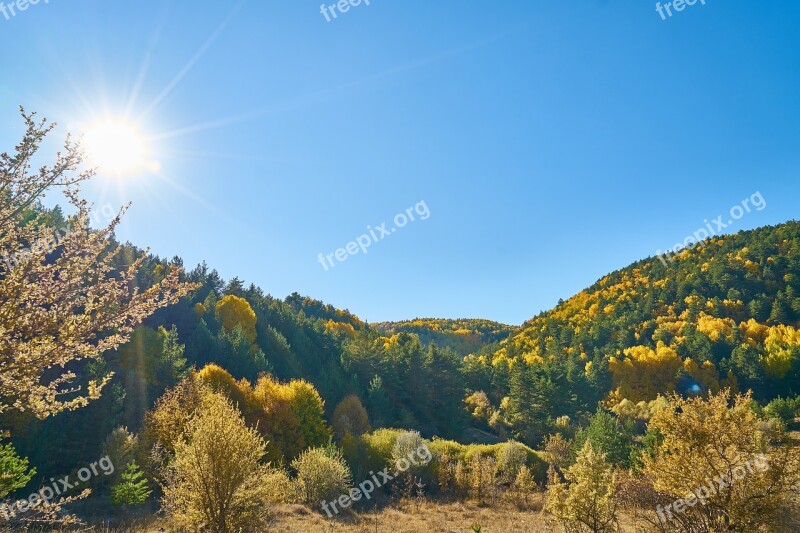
point(405, 517)
point(412, 517)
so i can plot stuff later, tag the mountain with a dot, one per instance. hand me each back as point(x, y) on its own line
point(464, 336)
point(723, 313)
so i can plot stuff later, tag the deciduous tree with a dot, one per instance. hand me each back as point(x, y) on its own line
point(64, 301)
point(744, 472)
point(217, 479)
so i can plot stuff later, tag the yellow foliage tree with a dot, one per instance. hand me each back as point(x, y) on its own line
point(730, 471)
point(235, 311)
point(587, 501)
point(340, 328)
point(715, 328)
point(239, 392)
point(644, 373)
point(754, 332)
point(292, 415)
point(781, 348)
point(350, 417)
point(706, 375)
point(217, 480)
point(166, 424)
point(479, 406)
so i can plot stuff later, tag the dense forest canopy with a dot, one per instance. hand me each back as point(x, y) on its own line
point(723, 314)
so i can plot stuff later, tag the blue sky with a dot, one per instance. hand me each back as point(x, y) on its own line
point(552, 142)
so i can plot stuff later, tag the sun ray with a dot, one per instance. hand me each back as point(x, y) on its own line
point(144, 69)
point(192, 154)
point(322, 95)
point(203, 202)
point(194, 59)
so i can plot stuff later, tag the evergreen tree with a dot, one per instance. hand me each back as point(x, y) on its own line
point(14, 472)
point(133, 489)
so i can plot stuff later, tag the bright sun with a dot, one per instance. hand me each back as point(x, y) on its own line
point(115, 147)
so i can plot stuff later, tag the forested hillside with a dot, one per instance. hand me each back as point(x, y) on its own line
point(285, 389)
point(465, 336)
point(724, 314)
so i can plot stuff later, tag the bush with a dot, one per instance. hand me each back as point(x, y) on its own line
point(720, 437)
point(558, 451)
point(410, 448)
point(322, 475)
point(587, 502)
point(510, 458)
point(350, 417)
point(121, 447)
point(217, 478)
point(524, 485)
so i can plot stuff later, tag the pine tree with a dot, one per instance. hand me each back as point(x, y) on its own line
point(133, 489)
point(14, 473)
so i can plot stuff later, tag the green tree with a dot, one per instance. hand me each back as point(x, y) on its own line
point(239, 356)
point(133, 489)
point(609, 436)
point(14, 472)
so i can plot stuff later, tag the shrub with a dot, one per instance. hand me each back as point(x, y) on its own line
point(350, 417)
point(121, 447)
point(510, 458)
point(322, 475)
point(719, 437)
point(482, 477)
point(410, 448)
point(558, 451)
point(587, 502)
point(217, 479)
point(167, 423)
point(524, 485)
